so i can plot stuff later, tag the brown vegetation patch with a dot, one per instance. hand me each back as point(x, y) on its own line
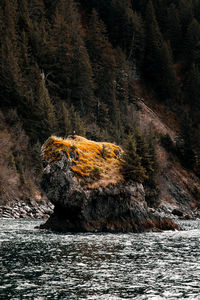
point(96, 163)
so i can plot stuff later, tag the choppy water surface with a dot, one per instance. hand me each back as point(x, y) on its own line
point(35, 264)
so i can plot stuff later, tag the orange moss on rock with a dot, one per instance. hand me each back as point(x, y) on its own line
point(96, 163)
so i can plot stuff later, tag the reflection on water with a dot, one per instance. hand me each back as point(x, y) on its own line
point(36, 264)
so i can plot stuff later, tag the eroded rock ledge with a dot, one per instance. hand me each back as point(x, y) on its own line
point(89, 201)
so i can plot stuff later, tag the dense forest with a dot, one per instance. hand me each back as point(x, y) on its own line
point(70, 66)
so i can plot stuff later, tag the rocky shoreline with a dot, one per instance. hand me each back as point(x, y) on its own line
point(176, 213)
point(29, 209)
point(32, 209)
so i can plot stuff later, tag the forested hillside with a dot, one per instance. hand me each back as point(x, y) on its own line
point(78, 66)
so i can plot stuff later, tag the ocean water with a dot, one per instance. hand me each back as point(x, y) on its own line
point(37, 264)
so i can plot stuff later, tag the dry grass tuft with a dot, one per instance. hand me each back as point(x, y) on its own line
point(94, 163)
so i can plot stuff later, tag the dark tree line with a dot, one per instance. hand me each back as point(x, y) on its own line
point(70, 65)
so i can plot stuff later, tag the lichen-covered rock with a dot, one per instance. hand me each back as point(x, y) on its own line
point(82, 205)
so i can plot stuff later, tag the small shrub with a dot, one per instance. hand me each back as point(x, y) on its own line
point(73, 152)
point(103, 152)
point(96, 172)
point(72, 148)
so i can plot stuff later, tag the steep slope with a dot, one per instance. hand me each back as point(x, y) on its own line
point(179, 188)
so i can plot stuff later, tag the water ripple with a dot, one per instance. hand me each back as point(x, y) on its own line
point(41, 265)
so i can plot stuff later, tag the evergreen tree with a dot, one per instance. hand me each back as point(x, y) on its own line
point(57, 60)
point(132, 168)
point(196, 9)
point(123, 22)
point(122, 81)
point(145, 151)
point(67, 61)
point(104, 67)
point(77, 124)
point(82, 79)
point(186, 143)
point(44, 123)
point(191, 88)
point(160, 7)
point(186, 14)
point(37, 10)
point(158, 67)
point(11, 83)
point(139, 5)
point(36, 155)
point(192, 43)
point(174, 33)
point(64, 120)
point(192, 98)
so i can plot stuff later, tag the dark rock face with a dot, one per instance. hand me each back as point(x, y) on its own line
point(119, 208)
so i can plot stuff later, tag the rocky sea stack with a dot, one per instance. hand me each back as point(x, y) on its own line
point(82, 179)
